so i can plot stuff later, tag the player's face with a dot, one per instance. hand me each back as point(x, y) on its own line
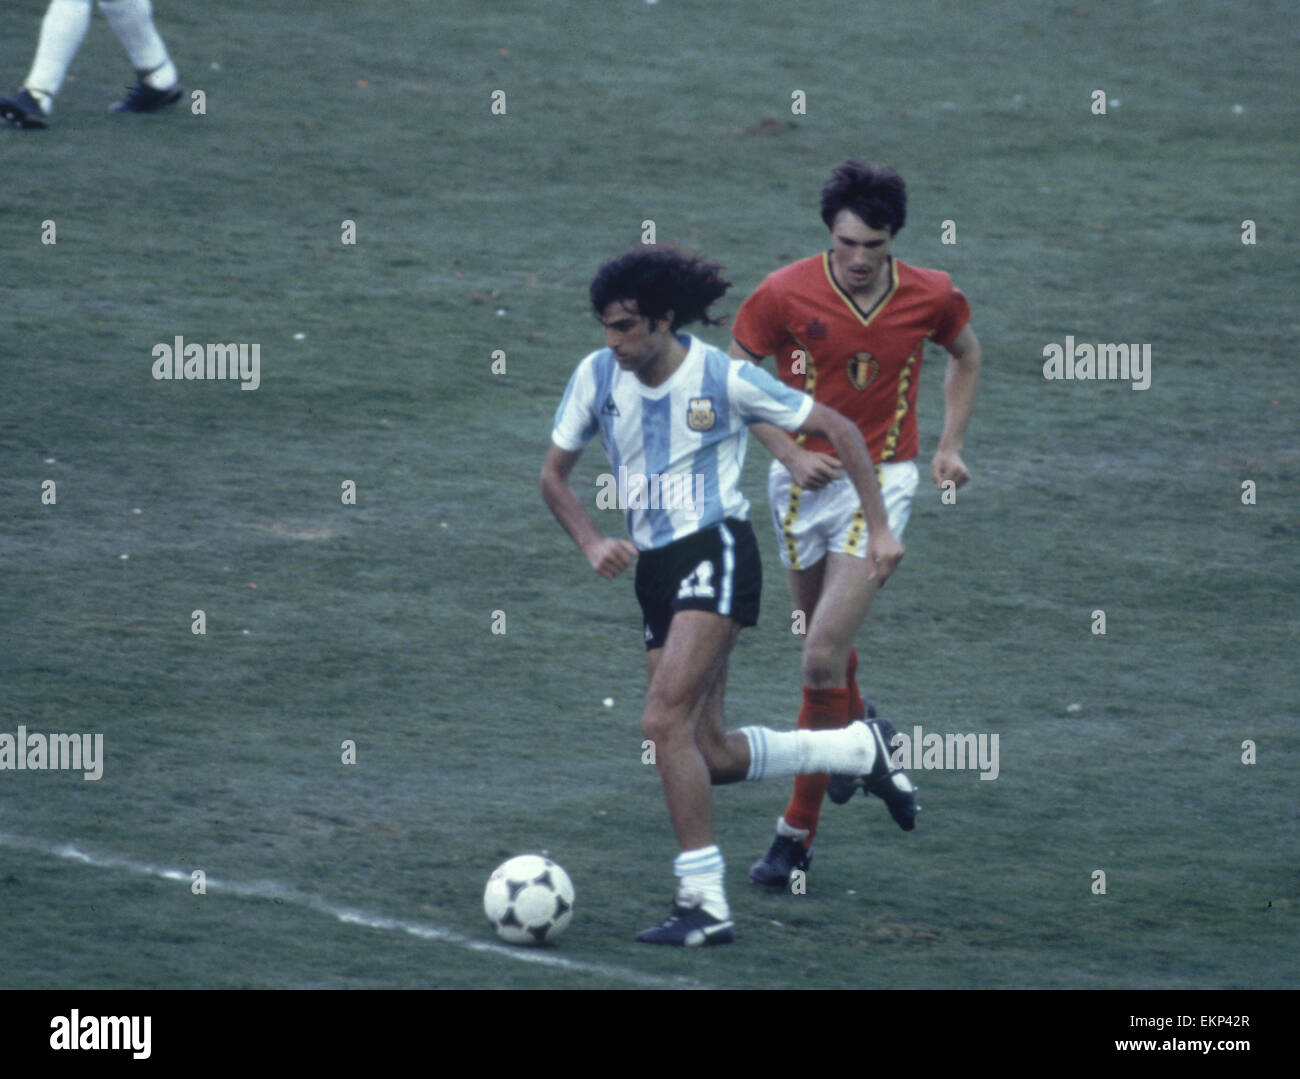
point(636, 343)
point(859, 253)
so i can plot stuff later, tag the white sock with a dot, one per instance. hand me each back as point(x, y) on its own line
point(699, 873)
point(784, 829)
point(773, 754)
point(132, 22)
point(62, 32)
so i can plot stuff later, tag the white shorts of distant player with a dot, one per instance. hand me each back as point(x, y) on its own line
point(810, 524)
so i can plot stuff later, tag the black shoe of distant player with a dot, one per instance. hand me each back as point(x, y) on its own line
point(888, 782)
point(689, 925)
point(144, 98)
point(842, 788)
point(783, 857)
point(23, 110)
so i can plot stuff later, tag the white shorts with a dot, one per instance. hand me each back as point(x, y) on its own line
point(810, 524)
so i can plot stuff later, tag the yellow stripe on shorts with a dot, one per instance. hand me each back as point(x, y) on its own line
point(787, 525)
point(858, 530)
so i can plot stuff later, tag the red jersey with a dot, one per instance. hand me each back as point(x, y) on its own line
point(865, 364)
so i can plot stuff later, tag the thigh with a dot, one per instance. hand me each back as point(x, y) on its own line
point(806, 588)
point(692, 664)
point(846, 594)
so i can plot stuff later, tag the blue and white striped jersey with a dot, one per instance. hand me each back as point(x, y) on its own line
point(677, 450)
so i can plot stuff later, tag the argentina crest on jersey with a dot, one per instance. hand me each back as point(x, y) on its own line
point(701, 415)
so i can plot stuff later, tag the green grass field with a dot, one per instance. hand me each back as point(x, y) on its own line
point(373, 622)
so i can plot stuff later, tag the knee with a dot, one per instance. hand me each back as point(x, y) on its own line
point(652, 726)
point(662, 719)
point(820, 668)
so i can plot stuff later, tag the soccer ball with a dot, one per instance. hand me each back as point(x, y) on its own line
point(528, 900)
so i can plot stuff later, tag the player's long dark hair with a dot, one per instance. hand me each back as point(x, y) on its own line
point(875, 193)
point(661, 278)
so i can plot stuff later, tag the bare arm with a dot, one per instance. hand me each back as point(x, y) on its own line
point(959, 386)
point(883, 548)
point(808, 469)
point(608, 557)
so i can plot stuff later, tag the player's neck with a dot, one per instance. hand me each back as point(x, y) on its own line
point(874, 287)
point(665, 364)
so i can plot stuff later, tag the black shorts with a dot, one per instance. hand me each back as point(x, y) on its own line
point(718, 570)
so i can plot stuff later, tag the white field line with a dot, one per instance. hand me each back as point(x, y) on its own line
point(267, 889)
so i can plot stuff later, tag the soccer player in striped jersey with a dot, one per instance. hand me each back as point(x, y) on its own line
point(849, 327)
point(63, 30)
point(671, 413)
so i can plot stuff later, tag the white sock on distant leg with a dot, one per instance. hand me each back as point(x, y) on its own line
point(773, 754)
point(699, 872)
point(62, 32)
point(132, 22)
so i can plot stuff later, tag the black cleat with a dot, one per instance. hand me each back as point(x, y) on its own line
point(888, 782)
point(689, 925)
point(23, 110)
point(783, 857)
point(144, 98)
point(842, 788)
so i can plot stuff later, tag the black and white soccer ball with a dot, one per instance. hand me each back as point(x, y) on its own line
point(528, 900)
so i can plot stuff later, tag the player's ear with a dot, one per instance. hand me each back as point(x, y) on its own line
point(665, 324)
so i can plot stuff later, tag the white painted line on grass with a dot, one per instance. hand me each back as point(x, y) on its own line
point(267, 889)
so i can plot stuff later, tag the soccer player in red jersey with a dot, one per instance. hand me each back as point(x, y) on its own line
point(849, 327)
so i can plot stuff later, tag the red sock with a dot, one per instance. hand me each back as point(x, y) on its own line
point(823, 709)
point(857, 710)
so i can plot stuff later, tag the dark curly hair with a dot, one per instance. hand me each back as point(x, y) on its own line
point(661, 278)
point(875, 193)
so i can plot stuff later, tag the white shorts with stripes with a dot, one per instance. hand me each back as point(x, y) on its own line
point(811, 524)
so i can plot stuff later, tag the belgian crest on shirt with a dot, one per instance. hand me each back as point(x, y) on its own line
point(701, 416)
point(862, 370)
